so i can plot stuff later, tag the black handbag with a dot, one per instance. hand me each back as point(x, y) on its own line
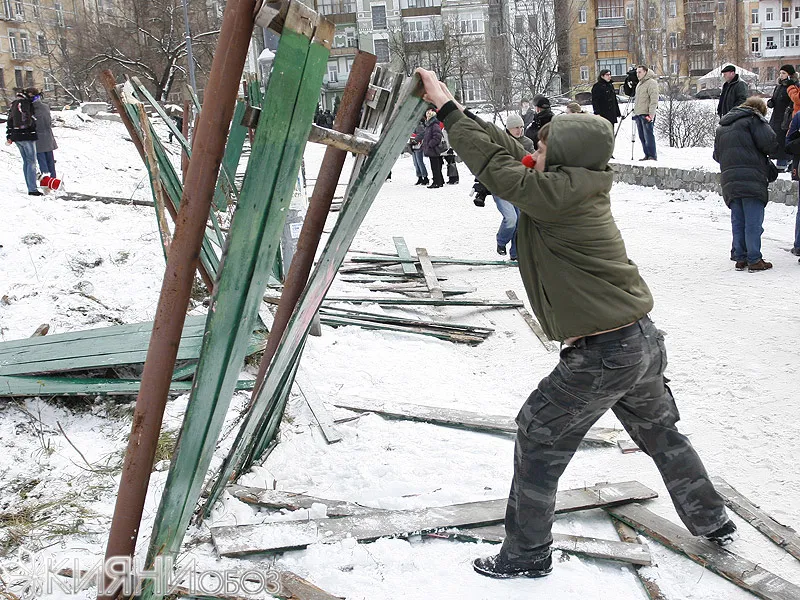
point(772, 171)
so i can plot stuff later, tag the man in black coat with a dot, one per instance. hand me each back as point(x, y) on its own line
point(742, 145)
point(734, 91)
point(543, 116)
point(781, 117)
point(604, 98)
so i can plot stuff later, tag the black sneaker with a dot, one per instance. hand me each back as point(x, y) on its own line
point(499, 567)
point(36, 193)
point(795, 251)
point(501, 250)
point(725, 535)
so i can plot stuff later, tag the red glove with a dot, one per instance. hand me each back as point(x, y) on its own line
point(529, 161)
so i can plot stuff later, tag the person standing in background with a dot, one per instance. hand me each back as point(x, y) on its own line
point(781, 117)
point(45, 140)
point(21, 130)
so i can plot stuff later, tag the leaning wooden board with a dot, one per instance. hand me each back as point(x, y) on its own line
point(458, 418)
point(744, 573)
point(21, 386)
point(277, 537)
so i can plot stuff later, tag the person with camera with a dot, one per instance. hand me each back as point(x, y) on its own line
point(588, 294)
point(782, 109)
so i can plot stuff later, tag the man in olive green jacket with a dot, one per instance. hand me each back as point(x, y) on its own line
point(588, 294)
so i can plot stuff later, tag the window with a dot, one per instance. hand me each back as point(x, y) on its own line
point(333, 72)
point(382, 50)
point(791, 39)
point(673, 9)
point(612, 39)
point(49, 82)
point(533, 23)
point(786, 15)
point(18, 77)
point(7, 10)
point(379, 17)
point(755, 46)
point(37, 6)
point(754, 16)
point(675, 67)
point(29, 78)
point(24, 43)
point(652, 12)
point(42, 44)
point(673, 40)
point(418, 30)
point(12, 45)
point(629, 11)
point(2, 79)
point(769, 14)
point(584, 47)
point(770, 73)
point(770, 43)
point(797, 12)
point(473, 91)
point(59, 13)
point(332, 7)
point(19, 10)
point(470, 22)
point(721, 7)
point(582, 14)
point(519, 24)
point(721, 37)
point(653, 43)
point(584, 73)
point(617, 66)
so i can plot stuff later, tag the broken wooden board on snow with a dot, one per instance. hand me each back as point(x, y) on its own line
point(28, 386)
point(321, 414)
point(459, 418)
point(783, 535)
point(649, 583)
point(291, 535)
point(635, 554)
point(532, 323)
point(744, 573)
point(279, 500)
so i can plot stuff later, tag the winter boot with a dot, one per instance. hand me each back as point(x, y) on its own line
point(740, 265)
point(795, 251)
point(500, 567)
point(725, 535)
point(761, 265)
point(501, 250)
point(419, 181)
point(425, 181)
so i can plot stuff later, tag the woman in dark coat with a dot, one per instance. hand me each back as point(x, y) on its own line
point(604, 98)
point(430, 148)
point(742, 146)
point(45, 141)
point(779, 102)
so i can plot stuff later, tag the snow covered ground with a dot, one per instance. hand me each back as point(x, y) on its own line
point(732, 339)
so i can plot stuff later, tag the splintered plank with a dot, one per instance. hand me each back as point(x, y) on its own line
point(532, 323)
point(409, 268)
point(279, 500)
point(783, 535)
point(458, 418)
point(632, 553)
point(426, 301)
point(291, 535)
point(650, 585)
point(744, 573)
point(429, 274)
point(318, 409)
point(16, 386)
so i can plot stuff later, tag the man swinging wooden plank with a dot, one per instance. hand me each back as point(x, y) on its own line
point(588, 295)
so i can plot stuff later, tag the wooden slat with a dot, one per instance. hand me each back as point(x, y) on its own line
point(383, 318)
point(783, 535)
point(739, 570)
point(280, 500)
point(533, 324)
point(425, 301)
point(16, 386)
point(631, 553)
point(429, 274)
point(275, 537)
point(649, 584)
point(409, 268)
point(226, 188)
point(451, 336)
point(159, 194)
point(440, 260)
point(360, 197)
point(318, 409)
point(254, 238)
point(458, 418)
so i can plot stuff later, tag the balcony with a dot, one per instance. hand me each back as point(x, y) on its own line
point(421, 11)
point(342, 18)
point(610, 22)
point(344, 51)
point(20, 55)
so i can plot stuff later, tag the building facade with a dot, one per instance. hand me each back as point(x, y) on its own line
point(772, 38)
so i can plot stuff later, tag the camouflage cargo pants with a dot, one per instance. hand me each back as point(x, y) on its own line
point(622, 371)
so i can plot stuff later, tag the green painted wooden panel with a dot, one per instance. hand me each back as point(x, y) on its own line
point(26, 387)
point(226, 186)
point(354, 209)
point(247, 260)
point(409, 268)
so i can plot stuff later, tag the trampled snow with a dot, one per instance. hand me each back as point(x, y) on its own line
point(732, 338)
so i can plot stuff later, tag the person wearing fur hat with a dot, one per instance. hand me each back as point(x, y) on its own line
point(782, 109)
point(604, 98)
point(543, 116)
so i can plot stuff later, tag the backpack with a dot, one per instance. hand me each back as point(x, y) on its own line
point(21, 114)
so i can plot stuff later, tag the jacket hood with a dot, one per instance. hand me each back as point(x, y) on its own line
point(649, 75)
point(580, 141)
point(739, 112)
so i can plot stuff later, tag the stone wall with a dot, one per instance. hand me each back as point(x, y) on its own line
point(783, 191)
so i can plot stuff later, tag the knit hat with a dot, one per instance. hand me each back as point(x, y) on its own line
point(514, 120)
point(543, 102)
point(789, 69)
point(729, 69)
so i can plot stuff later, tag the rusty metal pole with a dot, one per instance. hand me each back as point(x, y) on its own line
point(201, 179)
point(324, 189)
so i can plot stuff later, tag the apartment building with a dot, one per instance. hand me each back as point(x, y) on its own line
point(31, 32)
point(772, 37)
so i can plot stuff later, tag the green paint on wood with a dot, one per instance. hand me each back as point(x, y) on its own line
point(226, 187)
point(16, 386)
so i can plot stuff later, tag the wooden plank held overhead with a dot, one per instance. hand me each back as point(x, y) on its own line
point(253, 241)
point(360, 197)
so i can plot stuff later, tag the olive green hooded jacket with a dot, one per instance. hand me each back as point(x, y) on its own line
point(572, 258)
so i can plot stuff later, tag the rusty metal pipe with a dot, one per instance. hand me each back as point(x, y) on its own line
point(201, 178)
point(346, 121)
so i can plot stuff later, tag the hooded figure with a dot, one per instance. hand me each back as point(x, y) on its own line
point(604, 98)
point(46, 141)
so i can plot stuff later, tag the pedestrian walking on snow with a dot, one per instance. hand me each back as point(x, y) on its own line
point(587, 294)
point(21, 130)
point(742, 145)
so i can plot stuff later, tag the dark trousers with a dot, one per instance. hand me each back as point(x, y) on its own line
point(47, 163)
point(598, 373)
point(436, 170)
